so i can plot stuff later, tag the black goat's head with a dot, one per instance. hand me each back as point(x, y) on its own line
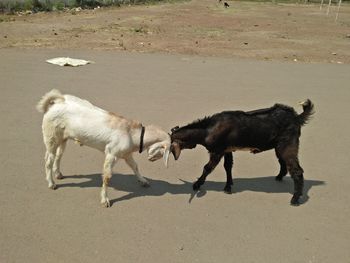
point(179, 142)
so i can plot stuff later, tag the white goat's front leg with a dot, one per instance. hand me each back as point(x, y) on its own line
point(133, 165)
point(106, 176)
point(49, 160)
point(56, 165)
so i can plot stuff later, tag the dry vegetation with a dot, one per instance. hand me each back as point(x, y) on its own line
point(11, 6)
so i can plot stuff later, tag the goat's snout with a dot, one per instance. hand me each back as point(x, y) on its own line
point(154, 155)
point(159, 150)
point(154, 158)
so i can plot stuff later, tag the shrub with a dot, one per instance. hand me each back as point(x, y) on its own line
point(11, 6)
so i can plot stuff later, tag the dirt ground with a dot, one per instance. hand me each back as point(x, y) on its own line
point(266, 31)
point(168, 222)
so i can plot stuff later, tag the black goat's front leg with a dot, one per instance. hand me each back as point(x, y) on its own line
point(208, 168)
point(228, 163)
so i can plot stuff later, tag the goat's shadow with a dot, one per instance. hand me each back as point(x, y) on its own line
point(128, 183)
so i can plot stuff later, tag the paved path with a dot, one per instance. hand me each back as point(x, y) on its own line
point(167, 222)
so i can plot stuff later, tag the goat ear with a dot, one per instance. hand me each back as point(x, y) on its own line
point(176, 150)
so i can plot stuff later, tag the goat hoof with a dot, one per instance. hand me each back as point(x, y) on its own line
point(145, 184)
point(295, 201)
point(59, 176)
point(279, 178)
point(228, 190)
point(196, 186)
point(53, 187)
point(106, 203)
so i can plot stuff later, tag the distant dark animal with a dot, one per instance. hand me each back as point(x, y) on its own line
point(260, 130)
point(226, 5)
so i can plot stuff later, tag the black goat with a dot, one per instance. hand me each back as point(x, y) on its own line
point(276, 128)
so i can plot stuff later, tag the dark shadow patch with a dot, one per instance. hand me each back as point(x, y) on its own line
point(128, 183)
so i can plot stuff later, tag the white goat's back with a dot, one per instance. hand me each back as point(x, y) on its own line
point(70, 117)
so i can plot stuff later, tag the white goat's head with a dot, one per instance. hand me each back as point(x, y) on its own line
point(159, 150)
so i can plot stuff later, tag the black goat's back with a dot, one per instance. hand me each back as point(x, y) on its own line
point(260, 129)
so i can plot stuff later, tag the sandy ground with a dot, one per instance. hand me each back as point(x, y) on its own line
point(167, 222)
point(263, 31)
point(210, 69)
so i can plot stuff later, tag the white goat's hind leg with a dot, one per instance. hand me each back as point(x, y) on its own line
point(133, 165)
point(106, 176)
point(56, 165)
point(49, 160)
point(52, 139)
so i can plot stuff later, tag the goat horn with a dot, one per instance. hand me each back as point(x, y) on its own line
point(302, 102)
point(166, 157)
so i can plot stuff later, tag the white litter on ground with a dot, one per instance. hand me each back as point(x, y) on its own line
point(73, 62)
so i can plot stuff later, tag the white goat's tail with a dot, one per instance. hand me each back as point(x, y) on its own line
point(49, 99)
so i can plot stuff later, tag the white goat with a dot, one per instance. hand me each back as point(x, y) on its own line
point(68, 117)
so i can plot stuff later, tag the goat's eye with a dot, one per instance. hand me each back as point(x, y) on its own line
point(175, 128)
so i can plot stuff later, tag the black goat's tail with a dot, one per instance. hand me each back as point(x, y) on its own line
point(308, 111)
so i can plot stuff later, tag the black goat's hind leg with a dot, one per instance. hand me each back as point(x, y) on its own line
point(228, 163)
point(208, 168)
point(283, 168)
point(297, 174)
point(289, 154)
